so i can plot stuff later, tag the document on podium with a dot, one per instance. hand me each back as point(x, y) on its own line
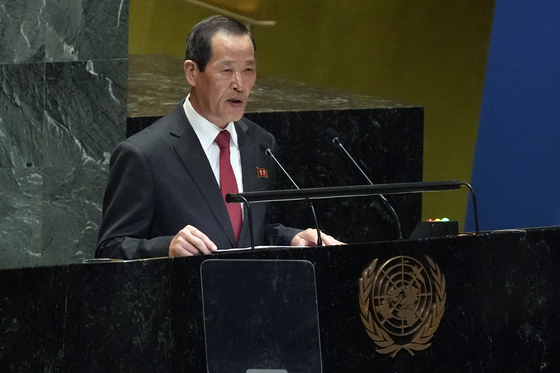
point(260, 316)
point(265, 247)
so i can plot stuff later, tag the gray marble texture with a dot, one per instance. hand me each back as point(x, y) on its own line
point(63, 75)
point(149, 315)
point(157, 84)
point(62, 30)
point(57, 114)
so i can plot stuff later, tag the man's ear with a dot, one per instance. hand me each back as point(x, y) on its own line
point(191, 71)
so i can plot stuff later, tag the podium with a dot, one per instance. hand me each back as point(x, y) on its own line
point(260, 315)
point(500, 310)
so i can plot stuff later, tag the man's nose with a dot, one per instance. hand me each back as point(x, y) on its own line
point(238, 82)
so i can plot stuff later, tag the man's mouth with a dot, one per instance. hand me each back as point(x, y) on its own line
point(235, 101)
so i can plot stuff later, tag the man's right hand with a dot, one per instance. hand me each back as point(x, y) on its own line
point(190, 241)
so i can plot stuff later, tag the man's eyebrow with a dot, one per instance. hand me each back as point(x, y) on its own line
point(231, 62)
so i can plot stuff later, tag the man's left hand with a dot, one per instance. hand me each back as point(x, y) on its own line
point(308, 237)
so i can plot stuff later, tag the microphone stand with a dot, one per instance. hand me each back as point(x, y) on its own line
point(335, 139)
point(354, 191)
point(268, 152)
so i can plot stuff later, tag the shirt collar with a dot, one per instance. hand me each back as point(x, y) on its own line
point(204, 129)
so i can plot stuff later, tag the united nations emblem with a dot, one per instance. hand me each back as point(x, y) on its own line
point(402, 304)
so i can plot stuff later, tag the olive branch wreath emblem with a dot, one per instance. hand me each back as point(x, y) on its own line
point(380, 335)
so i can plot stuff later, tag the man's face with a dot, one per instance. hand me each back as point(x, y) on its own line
point(220, 93)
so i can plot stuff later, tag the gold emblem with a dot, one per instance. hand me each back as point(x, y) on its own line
point(402, 304)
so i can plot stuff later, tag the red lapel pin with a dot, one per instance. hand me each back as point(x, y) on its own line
point(262, 173)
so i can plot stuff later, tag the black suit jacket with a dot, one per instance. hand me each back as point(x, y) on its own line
point(160, 181)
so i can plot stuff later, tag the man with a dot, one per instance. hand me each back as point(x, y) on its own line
point(163, 197)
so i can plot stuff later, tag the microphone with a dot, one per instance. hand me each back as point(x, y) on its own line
point(265, 148)
point(334, 138)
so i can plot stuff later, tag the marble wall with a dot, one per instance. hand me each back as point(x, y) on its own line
point(63, 74)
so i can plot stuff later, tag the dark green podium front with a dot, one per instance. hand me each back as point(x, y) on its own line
point(260, 315)
point(501, 310)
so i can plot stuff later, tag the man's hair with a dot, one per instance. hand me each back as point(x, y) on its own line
point(199, 41)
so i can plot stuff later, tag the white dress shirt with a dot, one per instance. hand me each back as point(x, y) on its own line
point(207, 132)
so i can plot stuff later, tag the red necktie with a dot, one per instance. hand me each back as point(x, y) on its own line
point(228, 183)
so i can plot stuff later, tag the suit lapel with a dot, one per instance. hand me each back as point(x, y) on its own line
point(246, 152)
point(248, 157)
point(251, 158)
point(192, 155)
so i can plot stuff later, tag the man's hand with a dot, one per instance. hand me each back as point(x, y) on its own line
point(190, 241)
point(309, 238)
